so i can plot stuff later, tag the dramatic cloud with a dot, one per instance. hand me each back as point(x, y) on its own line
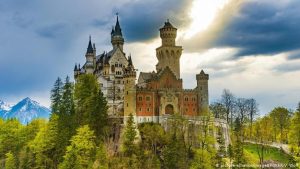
point(263, 28)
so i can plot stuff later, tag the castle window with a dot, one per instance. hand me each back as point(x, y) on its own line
point(148, 98)
point(148, 109)
point(186, 99)
point(127, 92)
point(140, 109)
point(140, 98)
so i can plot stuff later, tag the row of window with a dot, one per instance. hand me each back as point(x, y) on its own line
point(192, 99)
point(148, 109)
point(140, 98)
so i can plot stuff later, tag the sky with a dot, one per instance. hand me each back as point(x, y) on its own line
point(251, 47)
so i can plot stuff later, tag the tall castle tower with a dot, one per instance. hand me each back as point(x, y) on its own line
point(90, 58)
point(202, 90)
point(168, 54)
point(130, 91)
point(117, 39)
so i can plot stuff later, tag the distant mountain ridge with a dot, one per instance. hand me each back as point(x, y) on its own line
point(25, 111)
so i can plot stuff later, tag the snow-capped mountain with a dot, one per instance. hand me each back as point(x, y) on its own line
point(4, 106)
point(25, 111)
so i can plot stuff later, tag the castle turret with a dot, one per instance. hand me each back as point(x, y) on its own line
point(90, 58)
point(130, 91)
point(168, 54)
point(117, 39)
point(202, 89)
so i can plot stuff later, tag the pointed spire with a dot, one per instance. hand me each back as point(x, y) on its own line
point(90, 47)
point(130, 61)
point(75, 68)
point(112, 30)
point(118, 30)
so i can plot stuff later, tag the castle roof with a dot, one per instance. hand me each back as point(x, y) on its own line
point(90, 48)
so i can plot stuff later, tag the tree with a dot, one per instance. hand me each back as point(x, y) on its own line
point(253, 109)
point(205, 154)
point(281, 118)
point(130, 135)
point(10, 161)
point(238, 151)
point(221, 152)
point(81, 153)
point(66, 128)
point(101, 161)
point(219, 110)
point(56, 95)
point(294, 133)
point(228, 100)
point(90, 105)
point(43, 146)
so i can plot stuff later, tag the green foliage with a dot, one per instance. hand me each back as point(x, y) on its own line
point(81, 153)
point(281, 118)
point(101, 161)
point(56, 96)
point(10, 161)
point(90, 105)
point(294, 136)
point(10, 137)
point(130, 135)
point(206, 153)
point(43, 145)
point(174, 154)
point(66, 128)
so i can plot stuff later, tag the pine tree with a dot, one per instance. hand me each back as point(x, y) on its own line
point(90, 105)
point(174, 154)
point(238, 150)
point(44, 144)
point(221, 152)
point(56, 96)
point(81, 153)
point(10, 161)
point(101, 158)
point(65, 125)
point(129, 137)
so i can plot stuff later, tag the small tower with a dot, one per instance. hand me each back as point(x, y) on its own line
point(90, 58)
point(130, 91)
point(168, 54)
point(117, 39)
point(202, 90)
point(76, 71)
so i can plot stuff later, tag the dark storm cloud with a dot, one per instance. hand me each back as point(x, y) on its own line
point(141, 20)
point(265, 28)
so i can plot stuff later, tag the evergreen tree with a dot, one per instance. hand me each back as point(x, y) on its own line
point(10, 161)
point(56, 96)
point(101, 158)
point(90, 105)
point(65, 125)
point(221, 152)
point(129, 137)
point(174, 153)
point(238, 150)
point(44, 144)
point(81, 153)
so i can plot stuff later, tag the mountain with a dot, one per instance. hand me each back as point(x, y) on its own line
point(25, 111)
point(4, 108)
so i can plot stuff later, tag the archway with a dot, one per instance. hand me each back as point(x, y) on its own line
point(169, 109)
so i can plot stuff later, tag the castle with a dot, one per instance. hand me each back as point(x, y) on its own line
point(157, 94)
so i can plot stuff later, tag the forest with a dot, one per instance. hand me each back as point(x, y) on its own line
point(78, 135)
